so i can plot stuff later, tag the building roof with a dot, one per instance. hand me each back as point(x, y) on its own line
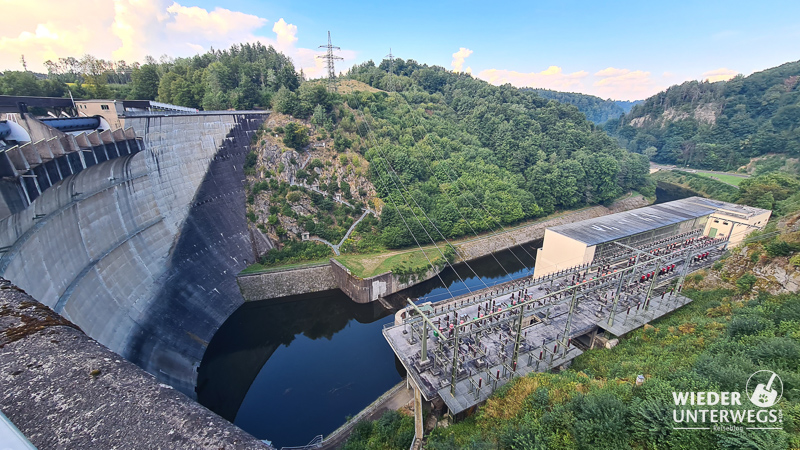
point(616, 226)
point(741, 211)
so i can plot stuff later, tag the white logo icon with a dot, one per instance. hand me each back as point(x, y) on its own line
point(765, 395)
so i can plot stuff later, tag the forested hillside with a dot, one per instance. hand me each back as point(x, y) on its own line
point(596, 109)
point(447, 155)
point(717, 125)
point(457, 144)
point(241, 77)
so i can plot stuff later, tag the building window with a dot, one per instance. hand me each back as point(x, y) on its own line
point(716, 221)
point(724, 223)
point(103, 106)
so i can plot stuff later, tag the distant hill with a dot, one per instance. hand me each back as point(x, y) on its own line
point(627, 105)
point(596, 109)
point(717, 125)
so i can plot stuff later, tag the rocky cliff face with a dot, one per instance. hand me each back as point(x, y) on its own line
point(776, 275)
point(277, 214)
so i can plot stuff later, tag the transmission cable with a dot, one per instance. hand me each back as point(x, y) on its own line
point(466, 188)
point(390, 170)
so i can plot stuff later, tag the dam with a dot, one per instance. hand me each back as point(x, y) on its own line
point(138, 238)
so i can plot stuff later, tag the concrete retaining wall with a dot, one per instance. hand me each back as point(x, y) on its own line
point(365, 290)
point(484, 246)
point(141, 251)
point(283, 283)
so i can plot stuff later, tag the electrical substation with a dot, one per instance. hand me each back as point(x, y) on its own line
point(630, 270)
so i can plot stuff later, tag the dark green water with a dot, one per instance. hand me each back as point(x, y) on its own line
point(291, 370)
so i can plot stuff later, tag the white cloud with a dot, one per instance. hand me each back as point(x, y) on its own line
point(551, 78)
point(132, 29)
point(611, 82)
point(286, 32)
point(721, 74)
point(616, 83)
point(459, 57)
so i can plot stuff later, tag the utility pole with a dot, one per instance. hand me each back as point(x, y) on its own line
point(329, 58)
point(391, 70)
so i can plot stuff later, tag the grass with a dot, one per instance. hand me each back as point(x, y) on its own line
point(729, 179)
point(259, 268)
point(365, 266)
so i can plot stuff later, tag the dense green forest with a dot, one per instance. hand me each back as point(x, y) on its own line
point(596, 109)
point(453, 145)
point(241, 77)
point(450, 155)
point(717, 125)
point(733, 328)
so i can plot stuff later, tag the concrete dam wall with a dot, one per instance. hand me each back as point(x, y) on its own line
point(141, 251)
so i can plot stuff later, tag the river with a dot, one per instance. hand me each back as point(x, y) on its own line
point(291, 369)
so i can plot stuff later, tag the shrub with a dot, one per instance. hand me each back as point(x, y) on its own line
point(779, 247)
point(746, 325)
point(795, 260)
point(746, 282)
point(293, 197)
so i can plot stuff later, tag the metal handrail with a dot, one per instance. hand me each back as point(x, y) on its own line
point(315, 443)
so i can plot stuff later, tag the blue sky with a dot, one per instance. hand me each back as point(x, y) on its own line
point(619, 49)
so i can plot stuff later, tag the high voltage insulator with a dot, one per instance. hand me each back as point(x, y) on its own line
point(329, 58)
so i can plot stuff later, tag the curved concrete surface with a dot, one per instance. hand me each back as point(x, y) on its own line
point(141, 251)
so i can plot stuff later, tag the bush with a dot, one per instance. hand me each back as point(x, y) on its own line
point(746, 282)
point(779, 247)
point(293, 197)
point(600, 420)
point(746, 325)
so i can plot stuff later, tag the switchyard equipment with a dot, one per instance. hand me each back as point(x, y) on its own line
point(582, 242)
point(462, 349)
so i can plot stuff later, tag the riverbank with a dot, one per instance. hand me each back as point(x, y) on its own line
point(368, 277)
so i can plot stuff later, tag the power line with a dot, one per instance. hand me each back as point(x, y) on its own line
point(329, 58)
point(390, 171)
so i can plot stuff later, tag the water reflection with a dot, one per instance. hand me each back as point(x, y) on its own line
point(291, 370)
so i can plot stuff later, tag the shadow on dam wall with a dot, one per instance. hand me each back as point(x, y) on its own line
point(198, 291)
point(141, 251)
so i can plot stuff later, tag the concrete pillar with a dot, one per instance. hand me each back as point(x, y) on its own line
point(419, 426)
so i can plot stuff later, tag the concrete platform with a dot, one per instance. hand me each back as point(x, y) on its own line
point(477, 342)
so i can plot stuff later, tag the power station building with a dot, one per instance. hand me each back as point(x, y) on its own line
point(570, 245)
